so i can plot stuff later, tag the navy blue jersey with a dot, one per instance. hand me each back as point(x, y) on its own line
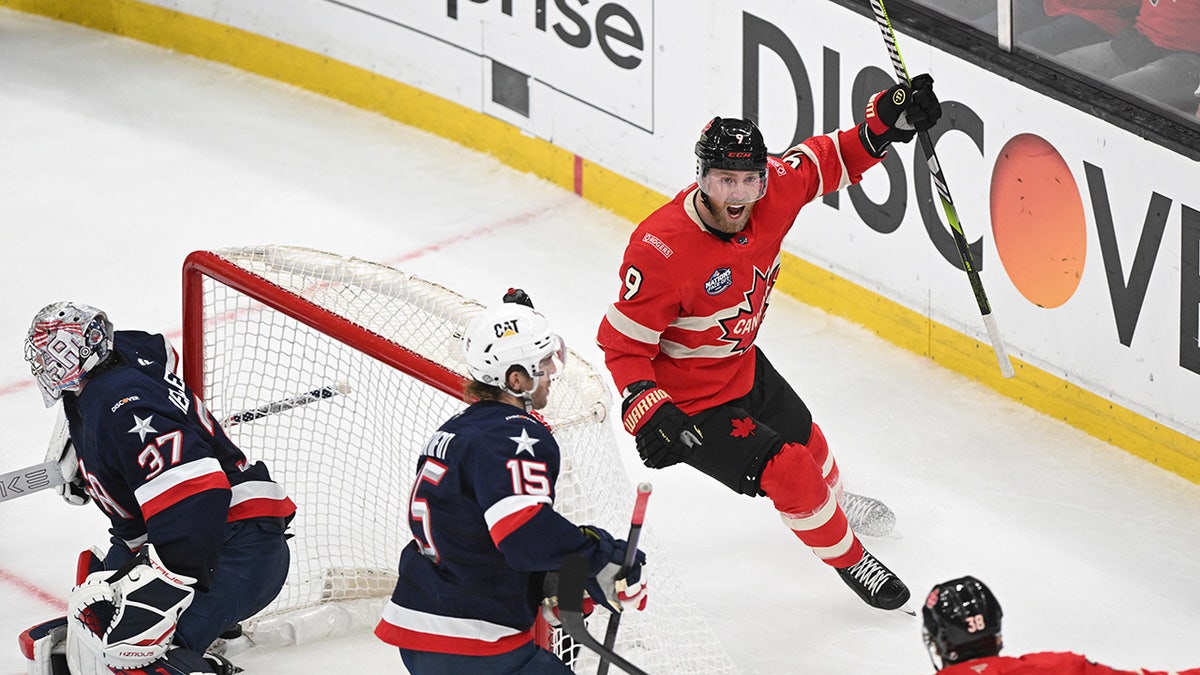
point(156, 462)
point(485, 531)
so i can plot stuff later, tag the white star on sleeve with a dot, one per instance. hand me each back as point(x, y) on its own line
point(141, 427)
point(524, 442)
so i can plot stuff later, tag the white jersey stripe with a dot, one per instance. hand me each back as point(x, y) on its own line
point(844, 174)
point(630, 328)
point(177, 476)
point(256, 489)
point(678, 351)
point(510, 505)
point(446, 626)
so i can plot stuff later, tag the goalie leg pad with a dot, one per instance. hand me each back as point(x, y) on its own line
point(44, 647)
point(89, 562)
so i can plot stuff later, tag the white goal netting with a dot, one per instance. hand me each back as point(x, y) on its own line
point(368, 359)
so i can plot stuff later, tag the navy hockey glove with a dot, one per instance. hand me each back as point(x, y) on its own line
point(665, 435)
point(608, 586)
point(898, 113)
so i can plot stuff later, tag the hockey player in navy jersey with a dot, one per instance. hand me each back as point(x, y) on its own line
point(680, 338)
point(485, 534)
point(198, 532)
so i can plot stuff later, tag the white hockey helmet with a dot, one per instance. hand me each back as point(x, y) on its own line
point(510, 334)
point(65, 341)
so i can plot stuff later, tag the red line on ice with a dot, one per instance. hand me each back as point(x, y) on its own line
point(47, 598)
point(33, 590)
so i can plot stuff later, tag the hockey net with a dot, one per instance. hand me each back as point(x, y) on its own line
point(374, 356)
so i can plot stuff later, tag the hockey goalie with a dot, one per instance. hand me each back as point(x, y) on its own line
point(198, 531)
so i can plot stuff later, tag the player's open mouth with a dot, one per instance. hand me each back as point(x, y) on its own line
point(735, 212)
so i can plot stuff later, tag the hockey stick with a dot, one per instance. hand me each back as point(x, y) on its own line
point(286, 404)
point(571, 581)
point(29, 480)
point(47, 475)
point(939, 180)
point(635, 532)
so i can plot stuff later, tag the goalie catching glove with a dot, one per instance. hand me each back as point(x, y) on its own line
point(665, 435)
point(126, 619)
point(898, 113)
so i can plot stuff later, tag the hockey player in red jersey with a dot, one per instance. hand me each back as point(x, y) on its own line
point(962, 630)
point(679, 340)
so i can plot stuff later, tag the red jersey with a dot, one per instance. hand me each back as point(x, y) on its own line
point(1171, 24)
point(1111, 16)
point(1044, 663)
point(691, 302)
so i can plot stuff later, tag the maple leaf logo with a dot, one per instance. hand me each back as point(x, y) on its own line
point(742, 328)
point(743, 428)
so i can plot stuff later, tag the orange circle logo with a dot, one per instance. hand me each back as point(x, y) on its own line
point(1038, 223)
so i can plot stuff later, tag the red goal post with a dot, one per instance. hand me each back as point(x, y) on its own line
point(275, 323)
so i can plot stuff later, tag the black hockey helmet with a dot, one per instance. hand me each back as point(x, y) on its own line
point(961, 622)
point(731, 144)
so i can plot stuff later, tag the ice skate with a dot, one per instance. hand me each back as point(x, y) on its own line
point(874, 583)
point(868, 516)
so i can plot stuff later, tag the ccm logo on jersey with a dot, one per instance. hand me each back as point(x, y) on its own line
point(658, 244)
point(720, 280)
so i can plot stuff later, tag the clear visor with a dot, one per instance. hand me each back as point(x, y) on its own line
point(552, 364)
point(736, 187)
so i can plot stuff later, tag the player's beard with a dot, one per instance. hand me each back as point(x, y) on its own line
point(725, 222)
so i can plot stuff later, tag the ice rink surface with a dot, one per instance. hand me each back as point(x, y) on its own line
point(117, 159)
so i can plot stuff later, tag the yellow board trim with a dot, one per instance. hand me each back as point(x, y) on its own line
point(813, 285)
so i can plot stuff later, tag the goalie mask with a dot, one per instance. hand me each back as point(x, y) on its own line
point(507, 335)
point(961, 622)
point(731, 145)
point(66, 341)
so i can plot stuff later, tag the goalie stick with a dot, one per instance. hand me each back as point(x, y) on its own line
point(939, 180)
point(46, 475)
point(635, 532)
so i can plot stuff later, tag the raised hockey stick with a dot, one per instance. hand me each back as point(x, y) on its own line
point(939, 180)
point(46, 475)
point(635, 532)
point(571, 581)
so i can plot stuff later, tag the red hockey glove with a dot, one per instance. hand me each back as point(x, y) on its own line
point(898, 113)
point(665, 434)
